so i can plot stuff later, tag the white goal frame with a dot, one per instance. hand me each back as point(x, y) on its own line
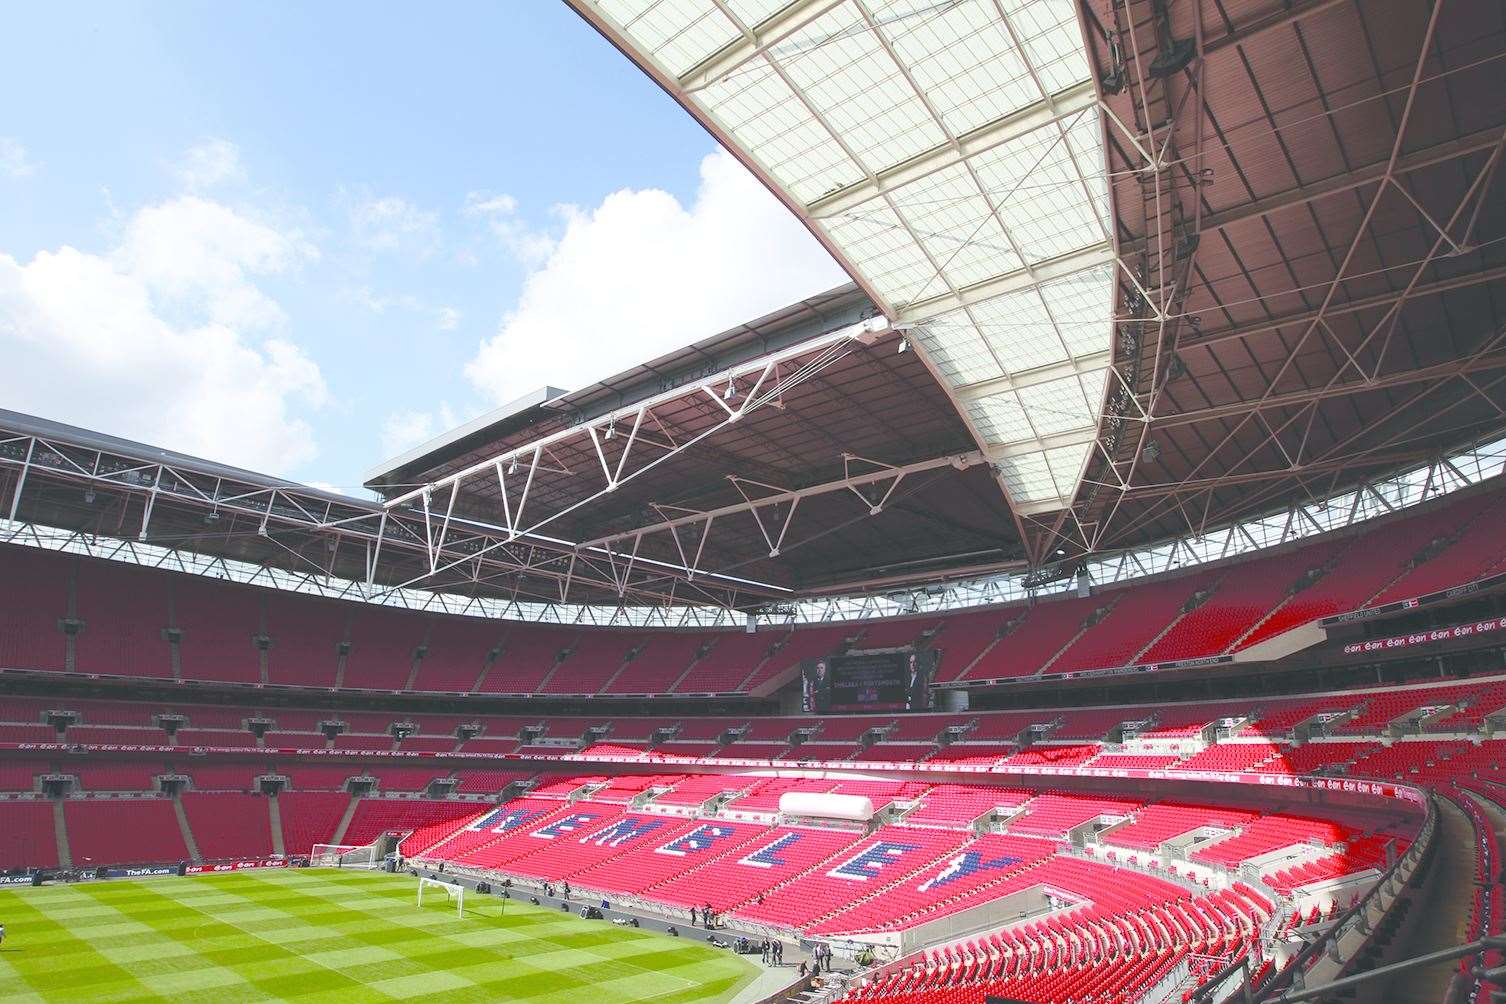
point(344, 856)
point(453, 890)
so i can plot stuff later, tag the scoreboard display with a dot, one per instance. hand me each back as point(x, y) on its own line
point(869, 681)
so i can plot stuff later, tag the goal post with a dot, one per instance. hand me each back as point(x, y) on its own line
point(344, 856)
point(453, 890)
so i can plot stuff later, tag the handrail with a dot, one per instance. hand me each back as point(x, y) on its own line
point(1355, 918)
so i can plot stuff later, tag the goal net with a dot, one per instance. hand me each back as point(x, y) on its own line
point(344, 856)
point(439, 887)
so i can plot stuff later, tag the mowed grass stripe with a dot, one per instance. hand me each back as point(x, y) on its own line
point(616, 953)
point(88, 971)
point(263, 963)
point(315, 936)
point(573, 959)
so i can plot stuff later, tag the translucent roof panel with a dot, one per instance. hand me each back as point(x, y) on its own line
point(767, 117)
point(951, 156)
point(679, 33)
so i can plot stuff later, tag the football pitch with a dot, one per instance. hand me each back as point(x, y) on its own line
point(317, 935)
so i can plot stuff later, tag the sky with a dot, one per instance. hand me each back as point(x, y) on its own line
point(301, 238)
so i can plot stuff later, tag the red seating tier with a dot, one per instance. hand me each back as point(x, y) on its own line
point(310, 817)
point(1037, 635)
point(33, 599)
point(218, 621)
point(733, 657)
point(229, 826)
point(27, 836)
point(123, 831)
point(124, 615)
point(663, 659)
point(597, 655)
point(375, 816)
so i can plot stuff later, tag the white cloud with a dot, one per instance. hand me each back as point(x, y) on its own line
point(393, 225)
point(642, 274)
point(403, 430)
point(208, 164)
point(447, 318)
point(500, 214)
point(15, 161)
point(166, 338)
point(197, 256)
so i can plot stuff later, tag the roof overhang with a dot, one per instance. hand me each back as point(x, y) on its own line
point(950, 156)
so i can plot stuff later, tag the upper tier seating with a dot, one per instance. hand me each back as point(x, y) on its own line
point(1242, 597)
point(304, 639)
point(964, 638)
point(1476, 536)
point(805, 643)
point(731, 659)
point(455, 653)
point(1034, 637)
point(594, 659)
point(1137, 615)
point(125, 618)
point(132, 621)
point(661, 660)
point(33, 600)
point(528, 656)
point(218, 621)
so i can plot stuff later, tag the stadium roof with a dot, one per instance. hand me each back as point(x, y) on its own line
point(1172, 263)
point(801, 451)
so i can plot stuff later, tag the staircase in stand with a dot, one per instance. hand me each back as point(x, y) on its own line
point(274, 818)
point(60, 831)
point(350, 811)
point(187, 831)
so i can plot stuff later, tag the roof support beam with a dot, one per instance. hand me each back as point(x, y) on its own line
point(1089, 363)
point(1042, 444)
point(754, 43)
point(1443, 371)
point(1276, 19)
point(849, 482)
point(1045, 112)
point(1463, 281)
point(1093, 256)
point(1370, 174)
point(759, 369)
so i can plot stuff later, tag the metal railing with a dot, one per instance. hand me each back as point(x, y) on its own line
point(1326, 956)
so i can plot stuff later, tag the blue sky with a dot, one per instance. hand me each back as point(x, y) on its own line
point(299, 237)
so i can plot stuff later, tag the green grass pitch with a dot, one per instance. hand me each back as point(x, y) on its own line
point(321, 936)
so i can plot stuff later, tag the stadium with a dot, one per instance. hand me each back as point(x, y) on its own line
point(1101, 598)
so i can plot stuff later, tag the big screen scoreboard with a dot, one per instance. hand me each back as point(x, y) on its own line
point(895, 680)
